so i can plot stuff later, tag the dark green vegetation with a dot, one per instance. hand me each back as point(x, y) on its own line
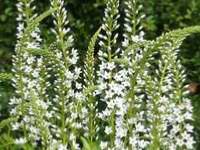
point(85, 18)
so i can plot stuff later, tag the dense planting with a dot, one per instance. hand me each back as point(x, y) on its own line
point(130, 96)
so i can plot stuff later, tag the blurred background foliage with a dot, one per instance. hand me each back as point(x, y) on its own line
point(85, 18)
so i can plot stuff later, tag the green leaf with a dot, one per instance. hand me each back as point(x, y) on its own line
point(93, 42)
point(7, 122)
point(88, 145)
point(5, 76)
point(121, 61)
point(35, 21)
point(89, 62)
point(40, 52)
point(5, 141)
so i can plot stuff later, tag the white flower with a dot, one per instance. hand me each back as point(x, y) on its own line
point(139, 127)
point(20, 29)
point(106, 75)
point(180, 142)
point(79, 95)
point(103, 145)
point(35, 74)
point(133, 140)
point(84, 111)
point(117, 89)
point(107, 112)
point(33, 45)
point(142, 144)
point(31, 84)
point(121, 132)
point(27, 69)
point(77, 72)
point(190, 143)
point(119, 102)
point(15, 126)
point(108, 130)
point(125, 43)
point(14, 101)
point(141, 34)
point(62, 147)
point(118, 144)
point(13, 111)
point(111, 104)
point(78, 86)
point(101, 43)
point(69, 75)
point(128, 27)
point(72, 137)
point(30, 60)
point(111, 66)
point(102, 86)
point(136, 38)
point(73, 60)
point(188, 115)
point(59, 55)
point(20, 141)
point(189, 128)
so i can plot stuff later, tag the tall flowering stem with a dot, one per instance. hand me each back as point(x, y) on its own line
point(106, 84)
point(133, 21)
point(28, 104)
point(89, 89)
point(67, 100)
point(135, 54)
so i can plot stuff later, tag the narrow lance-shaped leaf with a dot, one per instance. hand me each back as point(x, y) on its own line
point(7, 122)
point(5, 76)
point(90, 86)
point(89, 62)
point(35, 22)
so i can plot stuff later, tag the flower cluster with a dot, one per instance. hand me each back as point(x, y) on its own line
point(29, 103)
point(131, 97)
point(67, 100)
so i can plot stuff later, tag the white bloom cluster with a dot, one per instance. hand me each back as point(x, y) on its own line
point(179, 107)
point(29, 80)
point(68, 96)
point(111, 83)
point(132, 99)
point(133, 18)
point(167, 103)
point(143, 120)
